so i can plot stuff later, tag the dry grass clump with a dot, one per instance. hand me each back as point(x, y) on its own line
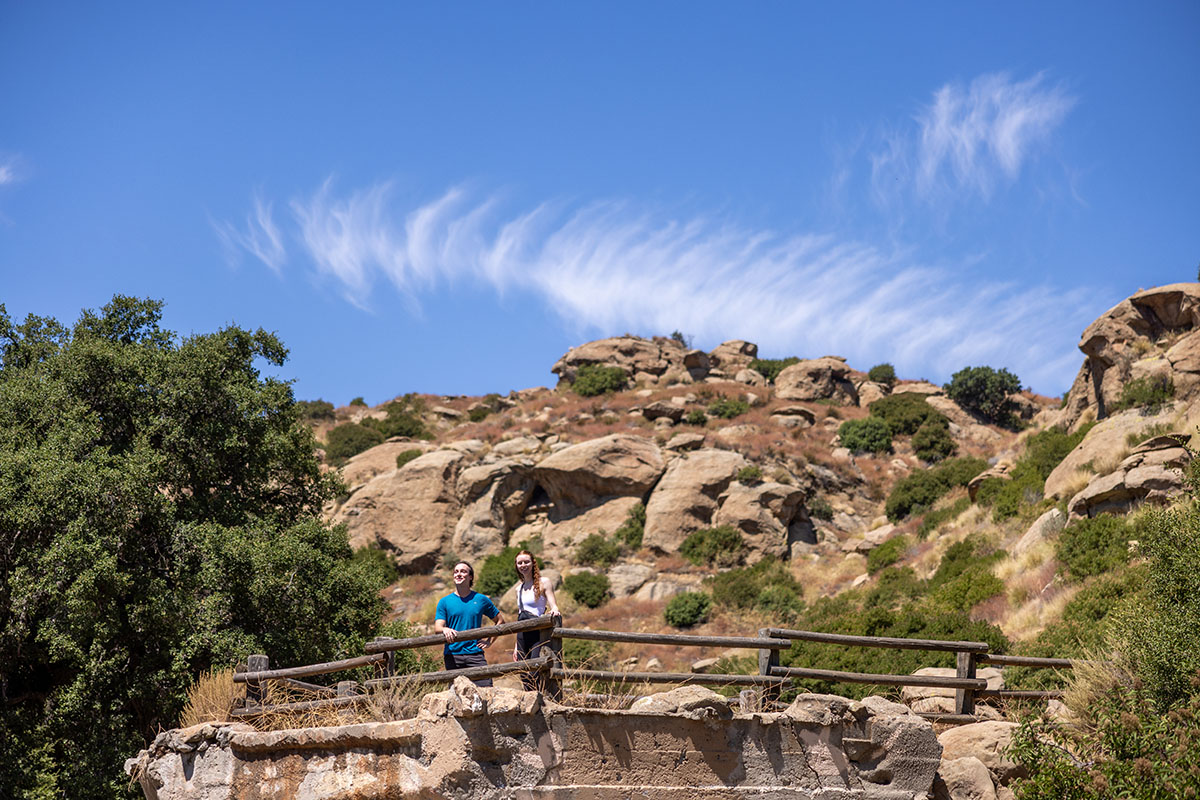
point(210, 698)
point(399, 698)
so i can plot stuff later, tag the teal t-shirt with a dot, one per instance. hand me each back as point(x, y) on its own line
point(462, 615)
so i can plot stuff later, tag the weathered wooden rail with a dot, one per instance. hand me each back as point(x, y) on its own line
point(771, 679)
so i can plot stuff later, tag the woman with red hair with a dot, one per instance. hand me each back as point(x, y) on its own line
point(535, 598)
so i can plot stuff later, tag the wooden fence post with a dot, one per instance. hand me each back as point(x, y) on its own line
point(553, 689)
point(766, 660)
point(964, 699)
point(388, 668)
point(255, 690)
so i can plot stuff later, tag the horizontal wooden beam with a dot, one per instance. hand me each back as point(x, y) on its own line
point(311, 669)
point(448, 675)
point(882, 680)
point(669, 677)
point(292, 708)
point(1027, 661)
point(891, 642)
point(1021, 694)
point(947, 718)
point(749, 642)
point(304, 686)
point(486, 632)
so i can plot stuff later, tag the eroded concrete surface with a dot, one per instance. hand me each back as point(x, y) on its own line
point(501, 743)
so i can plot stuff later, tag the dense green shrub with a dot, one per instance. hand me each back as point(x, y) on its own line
point(727, 408)
point(869, 435)
point(405, 456)
point(770, 368)
point(597, 550)
point(403, 419)
point(922, 488)
point(348, 440)
point(749, 474)
point(1024, 485)
point(498, 573)
point(633, 528)
point(315, 409)
point(882, 373)
point(358, 401)
point(1094, 546)
point(376, 560)
point(588, 588)
point(904, 412)
point(479, 413)
point(586, 654)
point(1151, 393)
point(721, 546)
point(932, 519)
point(819, 508)
point(594, 379)
point(695, 417)
point(767, 585)
point(687, 609)
point(886, 554)
point(985, 391)
point(932, 441)
point(682, 338)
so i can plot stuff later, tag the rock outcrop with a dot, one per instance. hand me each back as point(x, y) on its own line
point(502, 743)
point(827, 378)
point(1152, 473)
point(686, 499)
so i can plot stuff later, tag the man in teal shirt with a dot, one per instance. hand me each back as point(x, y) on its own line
point(462, 610)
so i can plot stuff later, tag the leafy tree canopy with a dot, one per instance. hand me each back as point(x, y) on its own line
point(985, 391)
point(158, 516)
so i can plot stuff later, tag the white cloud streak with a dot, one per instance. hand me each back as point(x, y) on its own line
point(260, 237)
point(968, 139)
point(607, 268)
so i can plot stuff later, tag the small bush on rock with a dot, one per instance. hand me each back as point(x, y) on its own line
point(348, 440)
point(886, 554)
point(358, 401)
point(594, 379)
point(904, 412)
point(633, 528)
point(922, 488)
point(315, 409)
point(1150, 393)
point(596, 550)
point(695, 417)
point(819, 508)
point(498, 572)
point(721, 546)
point(687, 609)
point(932, 441)
point(749, 474)
point(985, 391)
point(883, 373)
point(588, 588)
point(727, 408)
point(870, 435)
point(770, 368)
point(405, 456)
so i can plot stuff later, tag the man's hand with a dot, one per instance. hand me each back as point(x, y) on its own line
point(484, 644)
point(449, 633)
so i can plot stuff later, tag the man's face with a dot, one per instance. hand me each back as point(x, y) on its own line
point(462, 575)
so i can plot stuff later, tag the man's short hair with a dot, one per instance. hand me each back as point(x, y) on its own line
point(470, 571)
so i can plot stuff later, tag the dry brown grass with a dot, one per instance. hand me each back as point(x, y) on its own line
point(210, 698)
point(398, 699)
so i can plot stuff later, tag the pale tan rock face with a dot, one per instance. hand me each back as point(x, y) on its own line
point(360, 469)
point(494, 497)
point(986, 741)
point(733, 356)
point(1152, 473)
point(1101, 442)
point(685, 500)
point(498, 743)
point(826, 378)
point(964, 779)
point(763, 512)
point(583, 475)
point(659, 360)
point(411, 511)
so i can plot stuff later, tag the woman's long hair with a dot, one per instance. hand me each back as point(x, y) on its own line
point(536, 574)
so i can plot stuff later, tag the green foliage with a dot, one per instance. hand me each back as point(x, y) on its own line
point(964, 576)
point(922, 488)
point(160, 510)
point(1130, 750)
point(1046, 449)
point(932, 441)
point(478, 413)
point(597, 550)
point(722, 546)
point(869, 435)
point(904, 412)
point(932, 519)
point(820, 508)
point(727, 408)
point(749, 474)
point(985, 391)
point(882, 373)
point(348, 440)
point(588, 588)
point(682, 338)
point(403, 419)
point(375, 559)
point(1150, 393)
point(405, 456)
point(770, 368)
point(315, 409)
point(1094, 546)
point(633, 528)
point(887, 554)
point(586, 654)
point(498, 573)
point(687, 609)
point(594, 379)
point(695, 417)
point(358, 401)
point(1026, 480)
point(767, 586)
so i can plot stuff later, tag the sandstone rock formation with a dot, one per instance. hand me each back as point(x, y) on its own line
point(1153, 332)
point(826, 378)
point(580, 477)
point(1096, 452)
point(685, 500)
point(500, 743)
point(770, 515)
point(1152, 473)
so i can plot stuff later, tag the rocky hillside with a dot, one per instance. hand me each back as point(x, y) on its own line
point(644, 443)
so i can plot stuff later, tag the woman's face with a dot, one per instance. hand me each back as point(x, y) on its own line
point(524, 565)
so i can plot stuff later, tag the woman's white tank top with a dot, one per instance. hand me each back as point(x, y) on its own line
point(528, 601)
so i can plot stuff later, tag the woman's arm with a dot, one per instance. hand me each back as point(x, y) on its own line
point(551, 603)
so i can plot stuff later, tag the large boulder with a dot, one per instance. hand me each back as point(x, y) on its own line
point(1152, 332)
point(494, 497)
point(963, 779)
point(733, 356)
point(988, 741)
point(827, 378)
point(1044, 528)
point(764, 513)
point(685, 500)
point(381, 458)
point(1096, 451)
point(410, 511)
point(586, 474)
point(661, 360)
point(1153, 473)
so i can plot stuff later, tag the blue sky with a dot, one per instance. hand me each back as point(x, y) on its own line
point(445, 197)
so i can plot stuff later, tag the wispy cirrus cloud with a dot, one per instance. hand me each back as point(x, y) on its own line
point(970, 138)
point(612, 266)
point(259, 236)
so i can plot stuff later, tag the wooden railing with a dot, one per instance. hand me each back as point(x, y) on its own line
point(771, 679)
